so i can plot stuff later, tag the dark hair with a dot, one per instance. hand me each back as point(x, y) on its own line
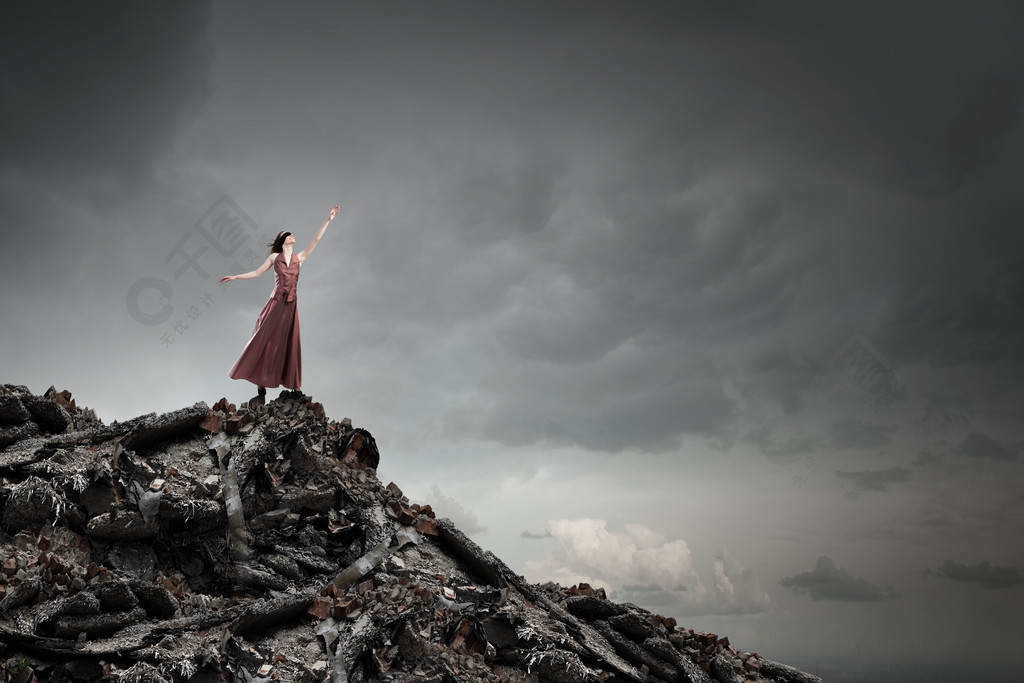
point(278, 243)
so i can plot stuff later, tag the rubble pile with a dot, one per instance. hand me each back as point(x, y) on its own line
point(255, 543)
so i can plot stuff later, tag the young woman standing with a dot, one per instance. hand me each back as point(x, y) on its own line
point(273, 355)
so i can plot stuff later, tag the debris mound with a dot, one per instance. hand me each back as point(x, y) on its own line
point(255, 543)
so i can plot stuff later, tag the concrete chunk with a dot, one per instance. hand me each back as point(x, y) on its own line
point(481, 562)
point(95, 625)
point(123, 526)
point(152, 429)
point(49, 415)
point(262, 614)
point(12, 411)
point(592, 608)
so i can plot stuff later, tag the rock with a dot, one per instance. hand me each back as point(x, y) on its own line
point(357, 448)
point(12, 411)
point(96, 498)
point(20, 594)
point(635, 654)
point(248, 575)
point(593, 608)
point(782, 672)
point(49, 415)
point(31, 503)
point(634, 626)
point(114, 595)
point(269, 520)
point(122, 526)
point(262, 614)
point(285, 566)
point(299, 500)
point(304, 461)
point(212, 423)
point(427, 527)
point(483, 563)
point(151, 429)
point(336, 574)
point(12, 435)
point(96, 625)
point(722, 670)
point(156, 600)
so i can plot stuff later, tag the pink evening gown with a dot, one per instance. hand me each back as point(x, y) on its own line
point(273, 355)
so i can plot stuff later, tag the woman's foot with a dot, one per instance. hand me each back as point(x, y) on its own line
point(261, 391)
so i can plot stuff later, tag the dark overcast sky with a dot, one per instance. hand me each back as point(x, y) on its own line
point(597, 280)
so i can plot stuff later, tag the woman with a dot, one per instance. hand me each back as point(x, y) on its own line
point(273, 356)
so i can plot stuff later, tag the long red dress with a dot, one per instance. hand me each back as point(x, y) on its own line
point(273, 355)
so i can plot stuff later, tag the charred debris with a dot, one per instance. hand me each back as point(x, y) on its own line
point(255, 543)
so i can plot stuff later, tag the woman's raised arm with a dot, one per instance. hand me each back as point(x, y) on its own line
point(304, 254)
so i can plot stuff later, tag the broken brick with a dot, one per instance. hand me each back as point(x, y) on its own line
point(212, 423)
point(406, 516)
point(320, 608)
point(427, 527)
point(343, 608)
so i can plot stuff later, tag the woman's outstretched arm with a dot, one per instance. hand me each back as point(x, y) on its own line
point(252, 273)
point(304, 254)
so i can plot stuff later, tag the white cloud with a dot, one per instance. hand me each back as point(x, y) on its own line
point(736, 588)
point(640, 565)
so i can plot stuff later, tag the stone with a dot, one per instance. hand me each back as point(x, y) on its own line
point(358, 449)
point(212, 423)
point(262, 614)
point(155, 599)
point(299, 500)
point(231, 424)
point(12, 435)
point(633, 653)
point(592, 608)
point(114, 595)
point(151, 429)
point(304, 461)
point(20, 594)
point(721, 668)
point(49, 415)
point(96, 625)
point(96, 498)
point(320, 608)
point(12, 411)
point(122, 526)
point(285, 566)
point(269, 520)
point(345, 608)
point(326, 540)
point(427, 527)
point(634, 626)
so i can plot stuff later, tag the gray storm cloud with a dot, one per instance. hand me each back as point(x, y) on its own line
point(624, 236)
point(983, 573)
point(829, 582)
point(875, 480)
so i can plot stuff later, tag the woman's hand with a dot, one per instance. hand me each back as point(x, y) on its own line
point(228, 278)
point(334, 212)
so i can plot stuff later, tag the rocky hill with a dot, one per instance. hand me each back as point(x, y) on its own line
point(255, 543)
